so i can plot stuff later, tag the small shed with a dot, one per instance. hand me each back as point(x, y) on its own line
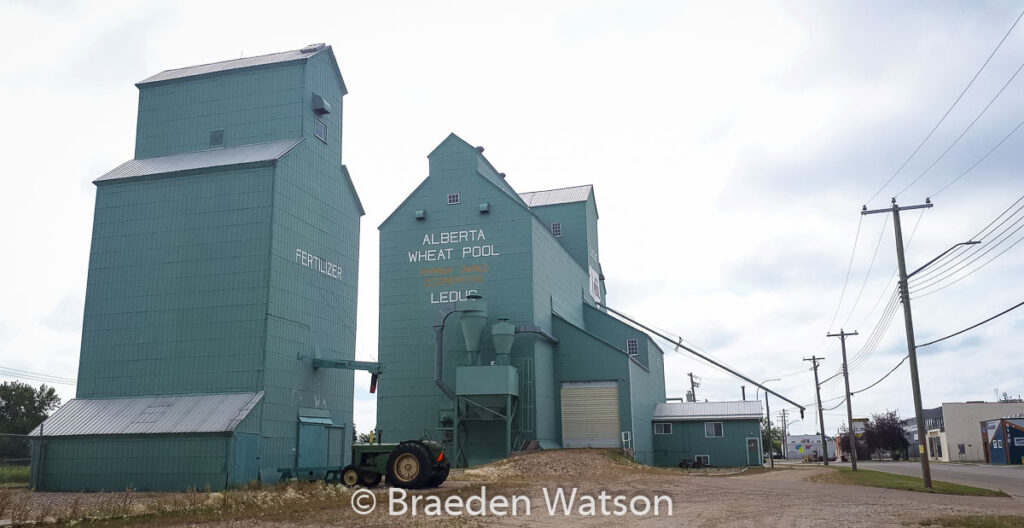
point(1004, 440)
point(148, 443)
point(723, 434)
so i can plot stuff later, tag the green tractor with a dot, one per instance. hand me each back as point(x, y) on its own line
point(409, 464)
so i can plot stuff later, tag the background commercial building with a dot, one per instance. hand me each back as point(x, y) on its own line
point(724, 434)
point(953, 434)
point(799, 446)
point(575, 376)
point(224, 258)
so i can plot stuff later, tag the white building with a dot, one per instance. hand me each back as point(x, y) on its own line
point(797, 446)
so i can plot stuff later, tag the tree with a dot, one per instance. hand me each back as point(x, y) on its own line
point(775, 445)
point(885, 433)
point(863, 452)
point(22, 408)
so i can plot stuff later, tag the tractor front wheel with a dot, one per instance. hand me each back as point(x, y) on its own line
point(350, 476)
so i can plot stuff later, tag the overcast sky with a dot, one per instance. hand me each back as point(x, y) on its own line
point(731, 146)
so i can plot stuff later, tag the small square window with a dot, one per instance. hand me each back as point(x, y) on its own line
point(556, 229)
point(713, 430)
point(632, 347)
point(217, 138)
point(454, 198)
point(663, 428)
point(320, 131)
point(705, 460)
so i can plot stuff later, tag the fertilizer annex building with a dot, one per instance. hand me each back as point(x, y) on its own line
point(218, 338)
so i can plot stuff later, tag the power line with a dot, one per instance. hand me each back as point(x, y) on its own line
point(938, 279)
point(881, 295)
point(849, 267)
point(950, 109)
point(35, 375)
point(877, 334)
point(938, 269)
point(996, 316)
point(883, 377)
point(868, 274)
point(972, 271)
point(978, 234)
point(834, 377)
point(964, 132)
point(946, 262)
point(976, 163)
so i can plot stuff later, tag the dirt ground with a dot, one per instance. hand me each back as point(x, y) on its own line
point(760, 498)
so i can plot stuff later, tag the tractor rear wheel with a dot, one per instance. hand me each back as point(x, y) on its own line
point(409, 465)
point(438, 476)
point(370, 479)
point(350, 476)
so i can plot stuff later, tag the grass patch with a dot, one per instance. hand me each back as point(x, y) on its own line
point(14, 476)
point(878, 479)
point(976, 521)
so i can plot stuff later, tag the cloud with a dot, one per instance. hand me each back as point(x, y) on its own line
point(67, 315)
point(731, 147)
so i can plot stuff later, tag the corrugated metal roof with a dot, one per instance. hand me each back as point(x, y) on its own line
point(729, 410)
point(234, 64)
point(203, 413)
point(557, 196)
point(203, 159)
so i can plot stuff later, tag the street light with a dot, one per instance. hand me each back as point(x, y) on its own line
point(767, 409)
point(932, 261)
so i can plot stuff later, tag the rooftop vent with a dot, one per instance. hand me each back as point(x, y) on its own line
point(502, 174)
point(312, 48)
point(320, 105)
point(480, 150)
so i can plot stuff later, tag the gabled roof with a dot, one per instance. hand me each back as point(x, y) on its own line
point(204, 159)
point(241, 63)
point(728, 410)
point(490, 173)
point(557, 196)
point(352, 188)
point(201, 413)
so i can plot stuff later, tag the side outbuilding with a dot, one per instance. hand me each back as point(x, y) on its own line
point(723, 434)
point(1003, 440)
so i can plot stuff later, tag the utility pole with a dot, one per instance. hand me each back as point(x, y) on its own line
point(821, 415)
point(926, 472)
point(785, 435)
point(693, 385)
point(771, 438)
point(743, 392)
point(849, 407)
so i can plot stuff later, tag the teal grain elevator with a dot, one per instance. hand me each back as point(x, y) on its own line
point(223, 263)
point(491, 321)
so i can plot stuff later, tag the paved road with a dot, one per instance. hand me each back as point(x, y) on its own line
point(1009, 479)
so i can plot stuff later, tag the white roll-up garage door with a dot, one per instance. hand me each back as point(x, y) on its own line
point(590, 414)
